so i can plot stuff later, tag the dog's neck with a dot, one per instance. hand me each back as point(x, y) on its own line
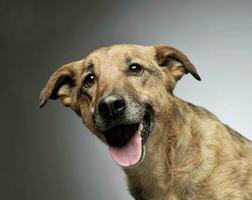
point(165, 160)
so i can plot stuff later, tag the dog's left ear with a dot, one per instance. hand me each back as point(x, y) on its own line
point(176, 62)
point(62, 84)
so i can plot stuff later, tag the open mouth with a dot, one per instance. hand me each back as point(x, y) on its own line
point(126, 141)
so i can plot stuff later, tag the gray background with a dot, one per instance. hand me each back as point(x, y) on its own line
point(48, 154)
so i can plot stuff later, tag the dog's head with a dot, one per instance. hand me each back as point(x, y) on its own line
point(121, 92)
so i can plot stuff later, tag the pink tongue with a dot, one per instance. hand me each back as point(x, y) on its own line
point(130, 154)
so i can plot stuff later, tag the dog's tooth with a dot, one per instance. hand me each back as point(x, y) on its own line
point(140, 127)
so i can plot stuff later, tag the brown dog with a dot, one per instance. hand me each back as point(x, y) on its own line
point(169, 148)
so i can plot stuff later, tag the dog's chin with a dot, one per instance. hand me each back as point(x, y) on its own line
point(127, 141)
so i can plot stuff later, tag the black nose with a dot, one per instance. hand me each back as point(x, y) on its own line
point(112, 105)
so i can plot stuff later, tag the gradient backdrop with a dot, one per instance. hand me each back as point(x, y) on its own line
point(47, 154)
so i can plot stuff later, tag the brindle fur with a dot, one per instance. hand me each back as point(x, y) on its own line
point(190, 154)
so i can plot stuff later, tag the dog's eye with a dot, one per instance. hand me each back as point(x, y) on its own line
point(135, 69)
point(89, 80)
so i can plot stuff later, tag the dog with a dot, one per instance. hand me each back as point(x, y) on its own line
point(168, 148)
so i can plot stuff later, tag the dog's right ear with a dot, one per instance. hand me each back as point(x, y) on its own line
point(62, 84)
point(168, 56)
point(175, 62)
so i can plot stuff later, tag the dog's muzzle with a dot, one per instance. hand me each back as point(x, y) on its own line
point(126, 125)
point(112, 106)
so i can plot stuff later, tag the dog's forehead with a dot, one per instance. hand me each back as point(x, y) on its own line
point(120, 53)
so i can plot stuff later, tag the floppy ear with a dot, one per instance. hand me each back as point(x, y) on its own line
point(62, 84)
point(176, 62)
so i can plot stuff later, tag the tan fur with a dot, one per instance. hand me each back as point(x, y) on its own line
point(190, 154)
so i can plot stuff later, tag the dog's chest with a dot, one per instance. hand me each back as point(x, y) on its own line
point(148, 183)
point(158, 184)
point(145, 188)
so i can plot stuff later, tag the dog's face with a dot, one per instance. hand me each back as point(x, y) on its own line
point(122, 93)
